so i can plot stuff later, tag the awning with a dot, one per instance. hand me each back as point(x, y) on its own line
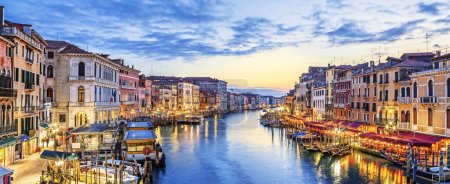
point(23, 138)
point(8, 142)
point(58, 155)
point(43, 125)
point(5, 171)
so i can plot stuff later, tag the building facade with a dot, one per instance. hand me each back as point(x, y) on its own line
point(82, 87)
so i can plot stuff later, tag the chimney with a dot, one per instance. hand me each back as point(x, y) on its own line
point(438, 53)
point(2, 17)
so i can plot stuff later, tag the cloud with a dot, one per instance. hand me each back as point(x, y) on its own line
point(431, 8)
point(350, 32)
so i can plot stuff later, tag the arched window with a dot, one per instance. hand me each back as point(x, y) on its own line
point(408, 92)
point(415, 89)
point(81, 94)
point(50, 71)
point(430, 88)
point(50, 95)
point(448, 87)
point(81, 69)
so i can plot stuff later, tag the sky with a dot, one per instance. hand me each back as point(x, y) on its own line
point(263, 45)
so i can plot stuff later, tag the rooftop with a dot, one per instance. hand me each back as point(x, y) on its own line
point(56, 44)
point(139, 135)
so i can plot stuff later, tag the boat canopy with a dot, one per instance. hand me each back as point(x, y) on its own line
point(139, 135)
point(92, 129)
point(5, 171)
point(145, 124)
point(58, 155)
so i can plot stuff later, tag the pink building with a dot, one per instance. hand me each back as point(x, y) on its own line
point(128, 90)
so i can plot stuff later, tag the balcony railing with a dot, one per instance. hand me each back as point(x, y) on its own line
point(404, 100)
point(385, 120)
point(13, 31)
point(429, 100)
point(8, 129)
point(29, 86)
point(125, 86)
point(28, 109)
point(29, 60)
point(403, 126)
point(74, 78)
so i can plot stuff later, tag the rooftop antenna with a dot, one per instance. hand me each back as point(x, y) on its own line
point(379, 54)
point(426, 39)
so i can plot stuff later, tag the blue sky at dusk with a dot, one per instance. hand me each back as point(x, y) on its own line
point(263, 45)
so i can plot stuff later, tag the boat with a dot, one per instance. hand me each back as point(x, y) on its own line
point(324, 149)
point(432, 173)
point(107, 174)
point(128, 166)
point(396, 160)
point(340, 151)
point(190, 120)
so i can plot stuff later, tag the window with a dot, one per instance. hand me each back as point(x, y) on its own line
point(62, 118)
point(375, 91)
point(16, 75)
point(381, 79)
point(415, 90)
point(403, 92)
point(81, 69)
point(17, 48)
point(430, 117)
point(49, 95)
point(396, 94)
point(430, 88)
point(81, 94)
point(387, 78)
point(448, 87)
point(50, 71)
point(396, 76)
point(23, 51)
point(448, 118)
point(50, 55)
point(408, 92)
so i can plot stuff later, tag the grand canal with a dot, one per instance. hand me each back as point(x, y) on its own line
point(236, 149)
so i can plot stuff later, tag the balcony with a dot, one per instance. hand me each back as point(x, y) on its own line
point(125, 86)
point(8, 129)
point(329, 106)
point(404, 126)
point(29, 86)
point(28, 109)
point(29, 60)
point(13, 31)
point(404, 100)
point(429, 100)
point(384, 121)
point(107, 103)
point(127, 102)
point(82, 78)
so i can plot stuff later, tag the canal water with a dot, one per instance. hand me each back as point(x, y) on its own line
point(237, 149)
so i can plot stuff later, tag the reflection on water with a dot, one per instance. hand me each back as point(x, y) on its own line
point(236, 149)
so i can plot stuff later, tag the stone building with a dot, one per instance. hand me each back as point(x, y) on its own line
point(81, 86)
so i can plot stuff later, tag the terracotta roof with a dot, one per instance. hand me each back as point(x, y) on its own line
point(445, 56)
point(55, 44)
point(413, 63)
point(17, 25)
point(72, 49)
point(393, 58)
point(416, 54)
point(203, 79)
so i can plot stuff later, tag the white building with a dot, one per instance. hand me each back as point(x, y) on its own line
point(82, 86)
point(318, 100)
point(185, 102)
